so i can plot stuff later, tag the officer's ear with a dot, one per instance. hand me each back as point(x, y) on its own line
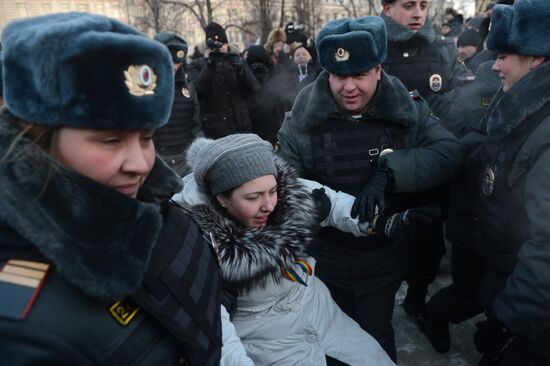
point(537, 61)
point(386, 8)
point(378, 72)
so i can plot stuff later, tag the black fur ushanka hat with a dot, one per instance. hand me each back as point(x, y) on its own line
point(86, 71)
point(521, 28)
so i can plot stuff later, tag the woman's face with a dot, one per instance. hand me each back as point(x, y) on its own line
point(511, 68)
point(301, 56)
point(118, 159)
point(251, 203)
point(277, 47)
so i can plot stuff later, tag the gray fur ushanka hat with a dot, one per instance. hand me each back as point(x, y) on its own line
point(222, 164)
point(521, 28)
point(352, 46)
point(86, 71)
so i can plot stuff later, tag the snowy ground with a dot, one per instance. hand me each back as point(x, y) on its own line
point(414, 349)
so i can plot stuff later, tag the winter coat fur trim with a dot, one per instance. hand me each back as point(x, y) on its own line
point(391, 103)
point(98, 239)
point(249, 258)
point(508, 110)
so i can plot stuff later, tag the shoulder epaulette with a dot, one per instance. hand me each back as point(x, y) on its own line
point(20, 283)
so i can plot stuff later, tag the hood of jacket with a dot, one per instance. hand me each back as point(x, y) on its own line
point(391, 103)
point(398, 33)
point(508, 110)
point(98, 239)
point(252, 257)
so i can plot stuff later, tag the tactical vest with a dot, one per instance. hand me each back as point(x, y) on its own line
point(345, 154)
point(182, 289)
point(181, 129)
point(417, 64)
point(503, 225)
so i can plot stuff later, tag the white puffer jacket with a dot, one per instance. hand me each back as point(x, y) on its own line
point(281, 322)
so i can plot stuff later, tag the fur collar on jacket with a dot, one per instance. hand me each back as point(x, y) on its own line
point(249, 258)
point(98, 239)
point(508, 110)
point(391, 103)
point(398, 33)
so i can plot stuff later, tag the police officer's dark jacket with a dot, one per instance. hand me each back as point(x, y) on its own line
point(130, 281)
point(428, 156)
point(328, 145)
point(173, 139)
point(513, 185)
point(422, 61)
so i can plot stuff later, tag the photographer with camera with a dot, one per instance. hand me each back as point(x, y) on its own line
point(222, 80)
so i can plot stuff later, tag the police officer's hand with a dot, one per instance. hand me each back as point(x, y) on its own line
point(372, 195)
point(398, 226)
point(322, 202)
point(492, 337)
point(236, 62)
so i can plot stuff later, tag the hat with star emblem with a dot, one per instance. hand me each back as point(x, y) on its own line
point(352, 46)
point(86, 71)
point(176, 45)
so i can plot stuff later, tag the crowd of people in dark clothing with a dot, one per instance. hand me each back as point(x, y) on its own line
point(264, 206)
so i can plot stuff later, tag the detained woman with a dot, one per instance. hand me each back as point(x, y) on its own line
point(261, 218)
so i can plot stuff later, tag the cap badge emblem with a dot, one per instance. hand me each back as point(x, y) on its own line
point(341, 55)
point(180, 54)
point(436, 82)
point(140, 80)
point(185, 92)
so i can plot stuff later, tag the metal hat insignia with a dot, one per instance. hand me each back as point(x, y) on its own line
point(341, 55)
point(140, 80)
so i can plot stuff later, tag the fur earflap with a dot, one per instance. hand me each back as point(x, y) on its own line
point(194, 149)
point(521, 28)
point(252, 257)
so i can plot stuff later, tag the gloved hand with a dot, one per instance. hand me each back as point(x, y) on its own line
point(322, 202)
point(492, 337)
point(398, 225)
point(423, 215)
point(236, 62)
point(372, 195)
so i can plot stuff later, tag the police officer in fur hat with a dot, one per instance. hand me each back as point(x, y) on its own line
point(428, 63)
point(97, 266)
point(173, 139)
point(222, 80)
point(356, 129)
point(512, 181)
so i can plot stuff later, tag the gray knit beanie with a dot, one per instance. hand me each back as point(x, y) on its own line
point(222, 164)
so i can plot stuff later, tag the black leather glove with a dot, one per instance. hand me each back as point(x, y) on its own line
point(322, 202)
point(423, 215)
point(492, 337)
point(372, 195)
point(236, 62)
point(397, 226)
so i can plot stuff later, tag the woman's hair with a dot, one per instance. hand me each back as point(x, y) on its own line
point(40, 135)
